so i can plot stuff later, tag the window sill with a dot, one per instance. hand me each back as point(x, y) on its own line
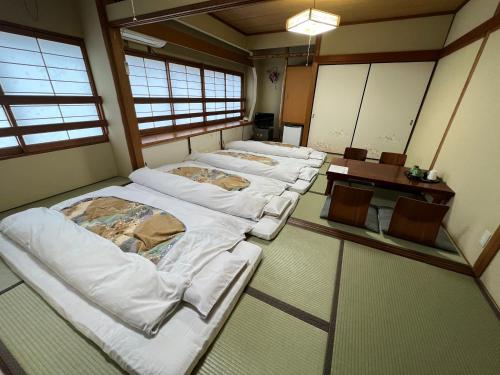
point(153, 140)
point(43, 148)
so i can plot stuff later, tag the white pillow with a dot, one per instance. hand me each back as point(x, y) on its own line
point(212, 281)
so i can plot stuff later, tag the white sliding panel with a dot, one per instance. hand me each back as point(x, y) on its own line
point(393, 95)
point(339, 90)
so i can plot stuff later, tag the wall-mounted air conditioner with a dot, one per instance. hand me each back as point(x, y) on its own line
point(147, 40)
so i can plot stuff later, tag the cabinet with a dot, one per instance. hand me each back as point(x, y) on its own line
point(296, 94)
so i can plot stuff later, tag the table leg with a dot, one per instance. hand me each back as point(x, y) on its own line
point(329, 186)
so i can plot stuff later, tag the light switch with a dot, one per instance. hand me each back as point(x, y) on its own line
point(485, 238)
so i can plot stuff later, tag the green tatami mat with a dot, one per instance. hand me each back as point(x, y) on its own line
point(259, 339)
point(7, 277)
point(397, 316)
point(298, 268)
point(309, 208)
point(324, 168)
point(44, 343)
point(319, 185)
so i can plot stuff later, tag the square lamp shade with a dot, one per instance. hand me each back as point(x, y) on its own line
point(312, 22)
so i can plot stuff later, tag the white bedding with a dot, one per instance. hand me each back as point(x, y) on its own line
point(98, 268)
point(178, 345)
point(245, 204)
point(207, 234)
point(288, 170)
point(270, 149)
point(302, 186)
point(258, 184)
point(314, 158)
point(266, 228)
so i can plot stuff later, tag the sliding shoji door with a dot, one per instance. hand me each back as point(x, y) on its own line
point(337, 99)
point(392, 98)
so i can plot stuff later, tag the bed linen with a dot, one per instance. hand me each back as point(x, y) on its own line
point(302, 186)
point(237, 203)
point(207, 234)
point(97, 268)
point(286, 169)
point(307, 172)
point(266, 228)
point(258, 184)
point(314, 158)
point(177, 346)
point(271, 148)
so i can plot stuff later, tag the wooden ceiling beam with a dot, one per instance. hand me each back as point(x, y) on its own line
point(182, 11)
point(173, 36)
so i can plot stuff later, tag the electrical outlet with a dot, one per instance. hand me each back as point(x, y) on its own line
point(485, 238)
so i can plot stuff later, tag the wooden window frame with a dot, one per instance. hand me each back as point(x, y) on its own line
point(6, 101)
point(173, 100)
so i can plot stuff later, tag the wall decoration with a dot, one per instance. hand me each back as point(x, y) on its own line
point(274, 75)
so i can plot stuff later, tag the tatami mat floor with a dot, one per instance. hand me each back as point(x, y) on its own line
point(316, 305)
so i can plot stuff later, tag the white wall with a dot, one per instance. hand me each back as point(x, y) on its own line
point(166, 153)
point(29, 178)
point(206, 142)
point(101, 68)
point(65, 20)
point(468, 160)
point(268, 93)
point(474, 13)
point(401, 35)
point(444, 91)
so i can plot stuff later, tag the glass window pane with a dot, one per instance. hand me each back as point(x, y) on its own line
point(45, 137)
point(18, 41)
point(39, 67)
point(83, 133)
point(134, 61)
point(8, 142)
point(146, 125)
point(136, 71)
point(72, 88)
point(20, 57)
point(148, 77)
point(22, 71)
point(15, 86)
point(155, 64)
point(57, 48)
point(70, 110)
point(57, 74)
point(54, 61)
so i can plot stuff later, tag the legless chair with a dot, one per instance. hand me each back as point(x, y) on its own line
point(355, 153)
point(392, 158)
point(417, 221)
point(349, 205)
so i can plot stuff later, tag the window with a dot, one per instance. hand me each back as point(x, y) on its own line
point(173, 95)
point(47, 97)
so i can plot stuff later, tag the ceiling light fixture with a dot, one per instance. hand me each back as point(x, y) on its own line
point(312, 22)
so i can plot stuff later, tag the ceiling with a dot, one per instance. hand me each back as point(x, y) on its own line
point(271, 15)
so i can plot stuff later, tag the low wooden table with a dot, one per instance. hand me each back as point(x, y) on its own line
point(386, 175)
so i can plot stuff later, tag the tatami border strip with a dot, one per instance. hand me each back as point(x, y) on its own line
point(396, 250)
point(289, 309)
point(11, 287)
point(327, 366)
